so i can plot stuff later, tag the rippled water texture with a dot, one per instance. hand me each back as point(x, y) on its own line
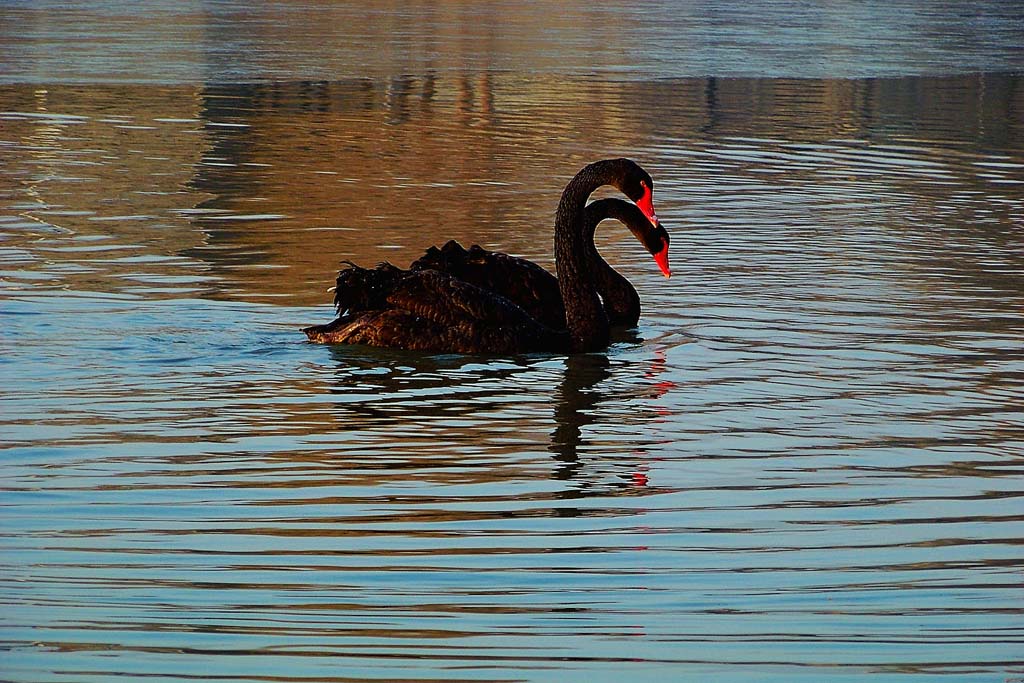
point(804, 465)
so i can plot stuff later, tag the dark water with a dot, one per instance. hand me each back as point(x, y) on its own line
point(804, 465)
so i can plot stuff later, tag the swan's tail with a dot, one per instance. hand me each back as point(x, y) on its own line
point(364, 289)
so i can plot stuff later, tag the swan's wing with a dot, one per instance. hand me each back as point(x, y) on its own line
point(523, 282)
point(465, 309)
point(448, 300)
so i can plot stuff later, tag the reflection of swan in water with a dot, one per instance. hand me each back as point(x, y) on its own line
point(443, 410)
point(576, 408)
point(433, 310)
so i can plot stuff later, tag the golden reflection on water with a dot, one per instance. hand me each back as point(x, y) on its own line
point(269, 186)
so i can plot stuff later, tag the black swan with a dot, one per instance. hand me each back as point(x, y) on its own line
point(523, 282)
point(476, 301)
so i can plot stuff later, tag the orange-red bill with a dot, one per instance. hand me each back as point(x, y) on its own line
point(661, 258)
point(646, 205)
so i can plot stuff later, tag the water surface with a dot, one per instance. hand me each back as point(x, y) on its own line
point(804, 465)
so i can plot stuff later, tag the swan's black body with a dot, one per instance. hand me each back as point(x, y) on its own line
point(477, 301)
point(522, 282)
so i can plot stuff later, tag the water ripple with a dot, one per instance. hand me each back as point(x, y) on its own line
point(803, 465)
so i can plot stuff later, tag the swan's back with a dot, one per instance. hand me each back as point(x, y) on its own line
point(522, 282)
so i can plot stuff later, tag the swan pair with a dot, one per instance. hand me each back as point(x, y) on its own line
point(454, 300)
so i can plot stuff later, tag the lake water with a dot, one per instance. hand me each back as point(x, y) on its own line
point(804, 465)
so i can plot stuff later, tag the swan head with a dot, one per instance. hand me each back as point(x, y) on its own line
point(653, 236)
point(633, 181)
point(638, 186)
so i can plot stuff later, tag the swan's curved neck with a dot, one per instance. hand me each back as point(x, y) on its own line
point(618, 296)
point(585, 317)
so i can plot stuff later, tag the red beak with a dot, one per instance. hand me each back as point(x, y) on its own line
point(646, 205)
point(661, 258)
